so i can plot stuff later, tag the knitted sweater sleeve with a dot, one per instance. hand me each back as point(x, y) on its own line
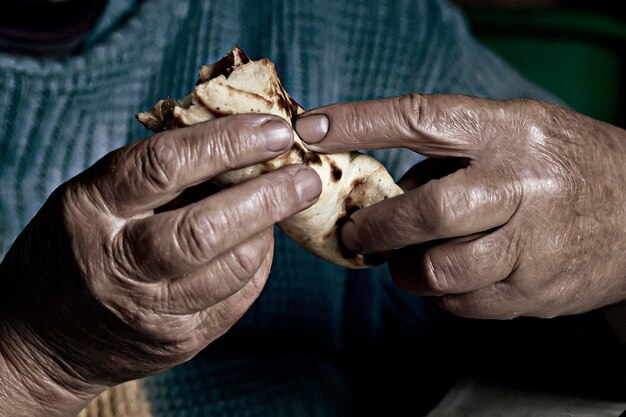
point(125, 400)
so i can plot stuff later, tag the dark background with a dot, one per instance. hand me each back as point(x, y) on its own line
point(574, 48)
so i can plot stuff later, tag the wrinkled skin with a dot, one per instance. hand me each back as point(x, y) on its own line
point(525, 215)
point(118, 278)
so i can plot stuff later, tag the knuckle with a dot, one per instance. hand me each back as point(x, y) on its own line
point(541, 107)
point(541, 120)
point(66, 194)
point(276, 194)
point(228, 145)
point(244, 261)
point(491, 249)
point(79, 201)
point(411, 109)
point(563, 179)
point(68, 199)
point(436, 275)
point(121, 256)
point(77, 218)
point(455, 207)
point(447, 209)
point(528, 105)
point(159, 162)
point(198, 235)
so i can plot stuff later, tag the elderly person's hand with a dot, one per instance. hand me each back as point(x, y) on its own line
point(105, 285)
point(526, 216)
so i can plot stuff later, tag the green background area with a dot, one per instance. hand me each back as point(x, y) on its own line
point(577, 55)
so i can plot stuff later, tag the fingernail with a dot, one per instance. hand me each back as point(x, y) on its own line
point(278, 135)
point(308, 184)
point(348, 236)
point(312, 129)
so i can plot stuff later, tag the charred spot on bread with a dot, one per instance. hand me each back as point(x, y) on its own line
point(165, 112)
point(335, 172)
point(307, 157)
point(224, 66)
point(287, 105)
point(356, 182)
point(266, 167)
point(221, 113)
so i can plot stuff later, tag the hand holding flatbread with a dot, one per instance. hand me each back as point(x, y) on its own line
point(351, 180)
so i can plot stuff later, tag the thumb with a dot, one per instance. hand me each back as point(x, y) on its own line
point(433, 125)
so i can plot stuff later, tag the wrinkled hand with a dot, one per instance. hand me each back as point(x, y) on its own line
point(526, 216)
point(100, 288)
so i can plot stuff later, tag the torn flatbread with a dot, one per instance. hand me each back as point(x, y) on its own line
point(351, 181)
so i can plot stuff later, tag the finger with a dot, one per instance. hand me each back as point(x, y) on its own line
point(456, 266)
point(216, 320)
point(149, 173)
point(223, 277)
point(433, 125)
point(429, 169)
point(175, 243)
point(496, 302)
point(463, 203)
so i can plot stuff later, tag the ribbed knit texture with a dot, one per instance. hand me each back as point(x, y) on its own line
point(125, 400)
point(58, 117)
